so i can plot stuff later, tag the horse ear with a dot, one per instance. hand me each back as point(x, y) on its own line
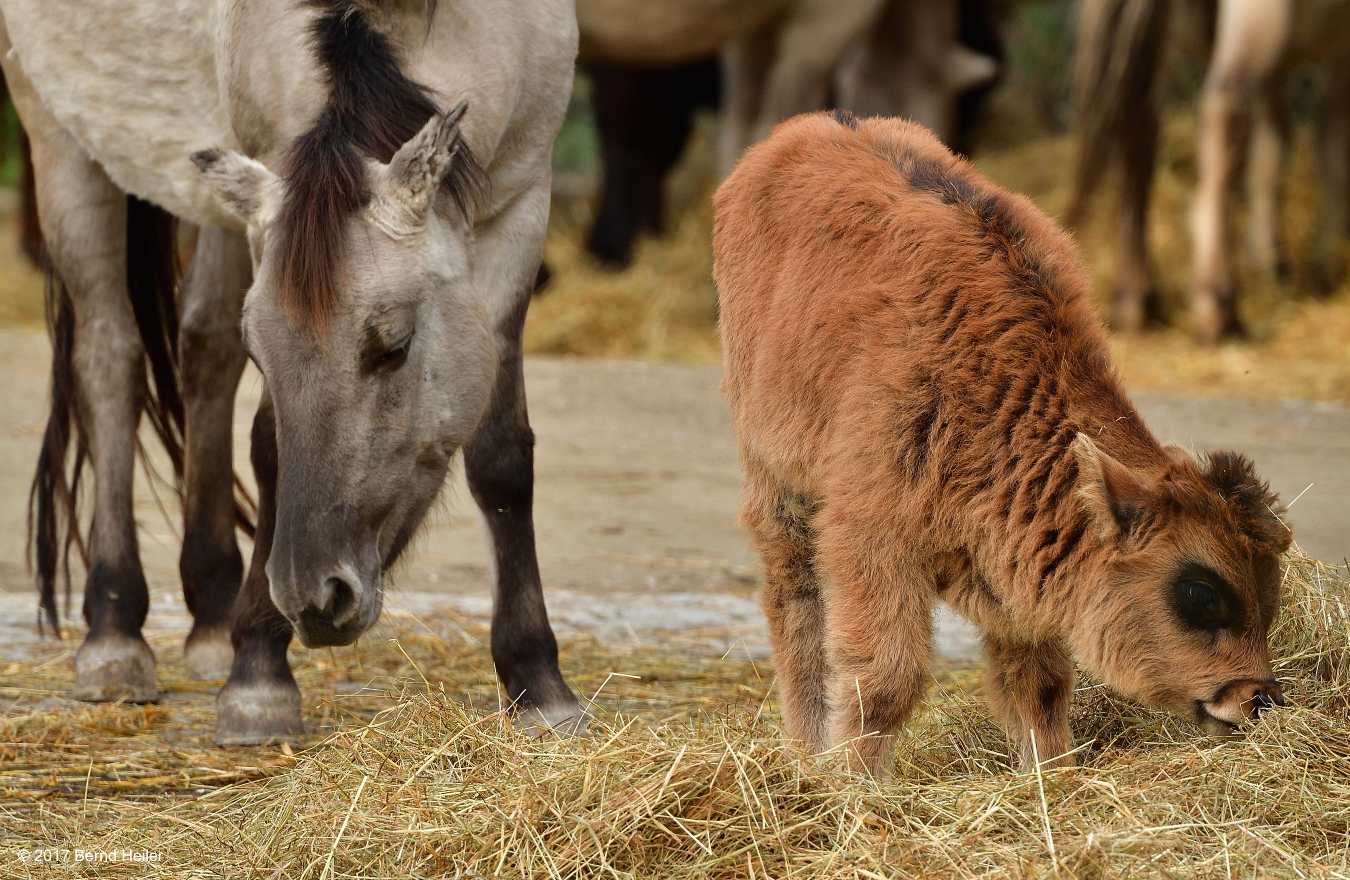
point(243, 186)
point(1113, 494)
point(404, 190)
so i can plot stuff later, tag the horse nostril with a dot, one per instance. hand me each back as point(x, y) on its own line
point(344, 600)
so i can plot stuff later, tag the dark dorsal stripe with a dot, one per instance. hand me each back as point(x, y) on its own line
point(372, 110)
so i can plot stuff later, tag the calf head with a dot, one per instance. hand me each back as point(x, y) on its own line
point(1178, 614)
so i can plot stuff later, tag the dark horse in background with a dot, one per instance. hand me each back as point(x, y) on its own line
point(372, 217)
point(644, 113)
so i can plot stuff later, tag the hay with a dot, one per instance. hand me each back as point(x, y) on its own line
point(685, 773)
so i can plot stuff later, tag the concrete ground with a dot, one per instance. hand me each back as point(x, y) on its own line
point(636, 490)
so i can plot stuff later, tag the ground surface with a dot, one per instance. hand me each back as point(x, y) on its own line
point(637, 480)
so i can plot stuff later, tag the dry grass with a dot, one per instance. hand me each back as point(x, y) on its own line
point(685, 773)
point(662, 308)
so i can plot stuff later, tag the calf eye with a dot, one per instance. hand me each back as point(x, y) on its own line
point(1203, 605)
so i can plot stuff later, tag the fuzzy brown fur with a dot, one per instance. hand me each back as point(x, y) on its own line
point(926, 411)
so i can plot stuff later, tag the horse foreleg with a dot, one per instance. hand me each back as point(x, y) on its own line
point(499, 462)
point(1333, 219)
point(212, 356)
point(260, 701)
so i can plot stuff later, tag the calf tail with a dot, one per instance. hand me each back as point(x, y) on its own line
point(1120, 46)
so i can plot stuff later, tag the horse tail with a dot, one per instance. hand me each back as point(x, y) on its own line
point(53, 520)
point(1120, 47)
point(153, 272)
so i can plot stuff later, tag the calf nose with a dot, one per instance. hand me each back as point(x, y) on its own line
point(1266, 695)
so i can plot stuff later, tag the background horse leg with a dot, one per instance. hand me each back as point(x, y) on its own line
point(1334, 208)
point(745, 64)
point(499, 464)
point(809, 45)
point(212, 358)
point(1248, 47)
point(1265, 160)
point(261, 701)
point(84, 221)
point(644, 116)
point(1136, 300)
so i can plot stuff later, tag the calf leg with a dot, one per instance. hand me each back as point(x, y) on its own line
point(879, 636)
point(260, 701)
point(499, 463)
point(780, 527)
point(212, 356)
point(1030, 687)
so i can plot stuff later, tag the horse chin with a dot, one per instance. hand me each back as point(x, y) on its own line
point(317, 631)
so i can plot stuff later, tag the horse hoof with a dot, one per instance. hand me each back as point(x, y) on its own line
point(208, 654)
point(257, 714)
point(115, 668)
point(565, 718)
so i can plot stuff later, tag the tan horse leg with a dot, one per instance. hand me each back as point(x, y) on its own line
point(211, 298)
point(84, 222)
point(745, 63)
point(1265, 154)
point(1249, 47)
point(811, 41)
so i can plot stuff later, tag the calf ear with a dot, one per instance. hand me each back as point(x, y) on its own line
point(243, 186)
point(403, 190)
point(1114, 495)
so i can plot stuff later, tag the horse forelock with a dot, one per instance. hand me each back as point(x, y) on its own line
point(373, 108)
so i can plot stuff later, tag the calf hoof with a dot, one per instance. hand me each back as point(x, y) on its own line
point(208, 654)
point(115, 668)
point(564, 717)
point(256, 714)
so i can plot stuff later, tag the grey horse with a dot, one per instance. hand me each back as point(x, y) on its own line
point(367, 240)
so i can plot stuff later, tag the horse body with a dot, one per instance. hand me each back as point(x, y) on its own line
point(141, 107)
point(388, 247)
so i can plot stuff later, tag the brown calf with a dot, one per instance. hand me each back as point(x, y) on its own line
point(926, 411)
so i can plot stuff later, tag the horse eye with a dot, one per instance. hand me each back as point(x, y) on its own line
point(393, 357)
